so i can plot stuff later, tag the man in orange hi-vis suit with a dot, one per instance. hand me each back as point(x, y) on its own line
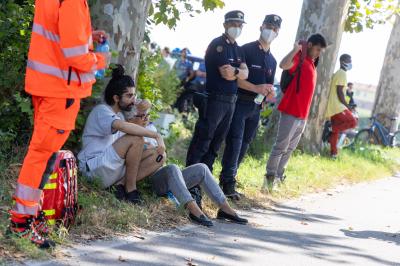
point(60, 71)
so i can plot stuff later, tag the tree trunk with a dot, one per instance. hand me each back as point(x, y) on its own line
point(326, 17)
point(271, 129)
point(387, 99)
point(125, 22)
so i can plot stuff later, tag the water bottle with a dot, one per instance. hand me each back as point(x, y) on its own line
point(172, 198)
point(103, 47)
point(259, 99)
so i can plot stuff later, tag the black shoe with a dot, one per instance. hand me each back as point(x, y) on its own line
point(230, 191)
point(196, 195)
point(134, 197)
point(231, 218)
point(119, 192)
point(202, 220)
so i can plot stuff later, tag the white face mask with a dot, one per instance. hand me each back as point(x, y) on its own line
point(348, 66)
point(268, 35)
point(234, 32)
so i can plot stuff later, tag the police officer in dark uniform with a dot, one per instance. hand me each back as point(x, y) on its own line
point(262, 67)
point(225, 64)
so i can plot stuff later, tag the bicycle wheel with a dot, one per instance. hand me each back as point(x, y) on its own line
point(396, 139)
point(347, 142)
point(365, 137)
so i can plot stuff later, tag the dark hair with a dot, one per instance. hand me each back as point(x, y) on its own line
point(350, 84)
point(317, 39)
point(118, 84)
point(344, 57)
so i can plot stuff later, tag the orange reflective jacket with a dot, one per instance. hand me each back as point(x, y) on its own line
point(61, 63)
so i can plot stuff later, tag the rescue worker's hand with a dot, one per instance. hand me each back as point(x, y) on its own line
point(227, 72)
point(99, 36)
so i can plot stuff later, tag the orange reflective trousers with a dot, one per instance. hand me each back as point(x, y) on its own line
point(54, 118)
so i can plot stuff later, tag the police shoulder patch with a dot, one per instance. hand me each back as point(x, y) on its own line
point(220, 48)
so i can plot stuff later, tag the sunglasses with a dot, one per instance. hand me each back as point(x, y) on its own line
point(142, 116)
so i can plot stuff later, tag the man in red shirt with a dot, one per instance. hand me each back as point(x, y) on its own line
point(294, 106)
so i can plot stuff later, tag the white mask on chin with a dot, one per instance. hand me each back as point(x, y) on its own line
point(234, 32)
point(268, 35)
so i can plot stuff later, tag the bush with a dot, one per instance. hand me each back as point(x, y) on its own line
point(15, 105)
point(155, 81)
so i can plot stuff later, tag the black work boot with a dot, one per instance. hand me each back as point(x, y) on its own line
point(229, 190)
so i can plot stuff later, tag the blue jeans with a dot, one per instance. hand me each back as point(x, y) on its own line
point(210, 132)
point(241, 133)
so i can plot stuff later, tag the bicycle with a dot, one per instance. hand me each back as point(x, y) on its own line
point(378, 134)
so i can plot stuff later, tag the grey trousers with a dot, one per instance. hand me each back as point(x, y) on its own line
point(171, 178)
point(289, 134)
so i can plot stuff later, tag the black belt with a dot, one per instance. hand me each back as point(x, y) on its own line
point(223, 98)
point(246, 97)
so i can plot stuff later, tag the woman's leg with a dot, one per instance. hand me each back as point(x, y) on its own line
point(169, 178)
point(199, 174)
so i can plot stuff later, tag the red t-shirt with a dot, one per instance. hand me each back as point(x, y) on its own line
point(298, 104)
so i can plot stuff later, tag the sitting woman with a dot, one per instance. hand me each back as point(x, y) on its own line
point(171, 179)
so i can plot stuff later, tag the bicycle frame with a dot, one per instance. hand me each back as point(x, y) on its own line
point(383, 132)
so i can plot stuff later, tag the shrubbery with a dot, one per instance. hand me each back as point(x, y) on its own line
point(154, 82)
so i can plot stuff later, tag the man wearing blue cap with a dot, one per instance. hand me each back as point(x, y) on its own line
point(225, 64)
point(262, 67)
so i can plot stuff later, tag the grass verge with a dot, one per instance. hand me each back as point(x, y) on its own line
point(102, 216)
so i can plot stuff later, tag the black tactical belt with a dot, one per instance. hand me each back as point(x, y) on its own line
point(223, 98)
point(246, 97)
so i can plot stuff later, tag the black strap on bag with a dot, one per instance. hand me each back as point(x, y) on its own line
point(287, 77)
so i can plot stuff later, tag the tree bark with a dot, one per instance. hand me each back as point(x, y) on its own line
point(328, 18)
point(125, 22)
point(387, 99)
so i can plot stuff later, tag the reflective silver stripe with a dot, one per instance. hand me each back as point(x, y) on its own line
point(28, 193)
point(87, 77)
point(62, 74)
point(21, 209)
point(76, 51)
point(37, 28)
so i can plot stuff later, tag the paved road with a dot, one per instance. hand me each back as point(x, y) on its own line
point(357, 225)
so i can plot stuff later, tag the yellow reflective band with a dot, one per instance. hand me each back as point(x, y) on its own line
point(49, 212)
point(51, 222)
point(50, 186)
point(53, 176)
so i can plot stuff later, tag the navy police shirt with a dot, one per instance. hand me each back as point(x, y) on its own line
point(261, 65)
point(222, 52)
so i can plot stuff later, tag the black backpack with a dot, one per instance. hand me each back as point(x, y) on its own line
point(287, 77)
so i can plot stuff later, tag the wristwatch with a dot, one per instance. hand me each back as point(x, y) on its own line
point(236, 71)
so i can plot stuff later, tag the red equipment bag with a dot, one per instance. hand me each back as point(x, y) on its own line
point(60, 194)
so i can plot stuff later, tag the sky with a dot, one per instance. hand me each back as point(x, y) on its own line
point(366, 48)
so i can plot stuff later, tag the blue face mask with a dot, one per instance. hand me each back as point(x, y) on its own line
point(348, 66)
